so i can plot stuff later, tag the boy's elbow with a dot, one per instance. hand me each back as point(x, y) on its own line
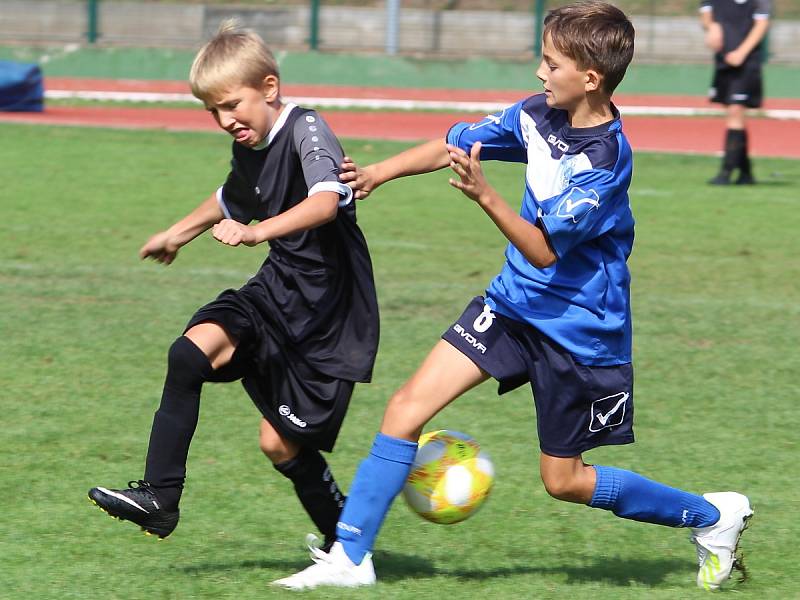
point(544, 262)
point(541, 258)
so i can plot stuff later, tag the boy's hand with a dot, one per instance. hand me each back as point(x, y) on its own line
point(160, 247)
point(473, 183)
point(360, 180)
point(735, 58)
point(233, 233)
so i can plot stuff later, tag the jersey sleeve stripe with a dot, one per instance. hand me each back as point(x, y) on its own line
point(221, 203)
point(333, 186)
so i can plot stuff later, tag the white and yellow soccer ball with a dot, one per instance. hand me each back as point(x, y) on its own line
point(450, 479)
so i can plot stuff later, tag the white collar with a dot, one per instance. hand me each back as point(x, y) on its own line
point(288, 107)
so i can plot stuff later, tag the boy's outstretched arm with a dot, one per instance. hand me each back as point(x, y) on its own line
point(427, 157)
point(316, 210)
point(164, 246)
point(526, 237)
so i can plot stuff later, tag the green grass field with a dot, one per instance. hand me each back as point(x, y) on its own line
point(86, 327)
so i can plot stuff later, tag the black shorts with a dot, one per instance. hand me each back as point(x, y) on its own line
point(737, 85)
point(304, 405)
point(578, 407)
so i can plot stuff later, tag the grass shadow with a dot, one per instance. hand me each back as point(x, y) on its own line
point(616, 571)
point(394, 566)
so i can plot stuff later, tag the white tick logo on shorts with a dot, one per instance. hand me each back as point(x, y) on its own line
point(578, 203)
point(608, 411)
point(285, 411)
point(484, 320)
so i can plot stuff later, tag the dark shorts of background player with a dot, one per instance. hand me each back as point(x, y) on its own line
point(737, 85)
point(578, 407)
point(304, 405)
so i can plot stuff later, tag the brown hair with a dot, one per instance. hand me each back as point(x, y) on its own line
point(596, 35)
point(234, 56)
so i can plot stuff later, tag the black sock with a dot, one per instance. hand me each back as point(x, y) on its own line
point(175, 420)
point(735, 148)
point(744, 157)
point(316, 489)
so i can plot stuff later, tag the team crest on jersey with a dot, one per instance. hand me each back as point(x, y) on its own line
point(567, 170)
point(577, 203)
point(488, 120)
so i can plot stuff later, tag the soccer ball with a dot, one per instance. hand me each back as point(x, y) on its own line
point(450, 478)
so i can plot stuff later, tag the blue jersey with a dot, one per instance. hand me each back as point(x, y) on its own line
point(576, 191)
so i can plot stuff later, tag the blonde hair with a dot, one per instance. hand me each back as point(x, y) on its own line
point(596, 35)
point(234, 56)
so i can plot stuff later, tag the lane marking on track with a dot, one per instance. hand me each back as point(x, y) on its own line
point(409, 105)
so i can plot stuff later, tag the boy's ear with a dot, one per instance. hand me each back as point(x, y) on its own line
point(594, 80)
point(271, 88)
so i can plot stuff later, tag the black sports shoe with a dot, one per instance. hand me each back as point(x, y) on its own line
point(722, 178)
point(745, 179)
point(139, 504)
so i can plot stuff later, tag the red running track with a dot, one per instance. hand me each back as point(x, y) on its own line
point(703, 135)
point(769, 137)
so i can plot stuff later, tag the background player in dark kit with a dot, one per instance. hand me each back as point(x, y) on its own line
point(303, 330)
point(735, 30)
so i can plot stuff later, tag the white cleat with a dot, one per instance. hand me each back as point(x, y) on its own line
point(717, 544)
point(333, 568)
point(314, 543)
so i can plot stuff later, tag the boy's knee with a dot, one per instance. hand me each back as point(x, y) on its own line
point(187, 362)
point(569, 487)
point(275, 448)
point(276, 453)
point(555, 486)
point(398, 419)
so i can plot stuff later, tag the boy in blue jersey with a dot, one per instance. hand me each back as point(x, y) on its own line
point(558, 314)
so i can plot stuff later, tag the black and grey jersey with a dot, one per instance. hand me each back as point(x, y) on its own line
point(315, 291)
point(736, 18)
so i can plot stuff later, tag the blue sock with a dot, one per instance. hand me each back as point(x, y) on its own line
point(631, 496)
point(379, 478)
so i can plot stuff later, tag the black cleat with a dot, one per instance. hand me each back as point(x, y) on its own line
point(138, 504)
point(722, 178)
point(745, 179)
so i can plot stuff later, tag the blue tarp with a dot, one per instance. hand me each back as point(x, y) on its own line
point(21, 87)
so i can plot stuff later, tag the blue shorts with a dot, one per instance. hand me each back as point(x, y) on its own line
point(578, 407)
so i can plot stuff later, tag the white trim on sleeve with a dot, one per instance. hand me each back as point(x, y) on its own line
point(333, 186)
point(221, 203)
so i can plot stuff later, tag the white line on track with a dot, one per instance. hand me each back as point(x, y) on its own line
point(410, 105)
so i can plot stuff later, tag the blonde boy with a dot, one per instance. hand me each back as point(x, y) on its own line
point(303, 330)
